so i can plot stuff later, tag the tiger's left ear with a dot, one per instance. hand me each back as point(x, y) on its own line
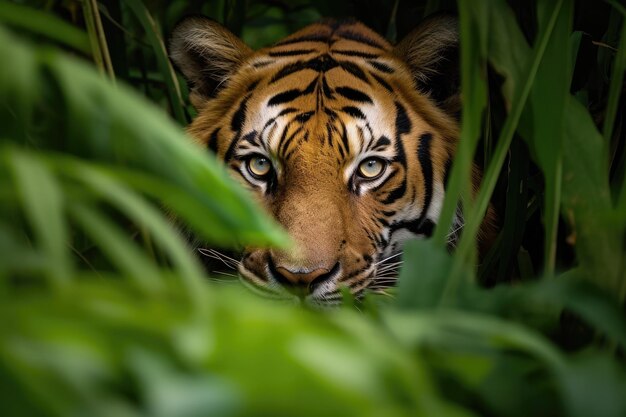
point(432, 53)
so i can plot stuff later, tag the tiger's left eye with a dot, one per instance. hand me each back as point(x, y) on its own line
point(259, 166)
point(371, 168)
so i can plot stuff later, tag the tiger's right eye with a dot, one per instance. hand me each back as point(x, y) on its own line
point(371, 168)
point(259, 166)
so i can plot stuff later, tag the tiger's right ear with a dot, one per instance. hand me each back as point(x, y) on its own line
point(207, 54)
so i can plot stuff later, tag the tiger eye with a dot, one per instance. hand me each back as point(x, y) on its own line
point(371, 168)
point(259, 166)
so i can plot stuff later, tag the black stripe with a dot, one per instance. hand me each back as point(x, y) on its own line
point(213, 140)
point(329, 133)
point(285, 144)
point(354, 53)
point(354, 70)
point(354, 95)
point(331, 114)
point(403, 123)
point(382, 82)
point(253, 85)
point(288, 70)
point(382, 221)
point(396, 193)
point(328, 92)
point(304, 117)
point(261, 64)
point(354, 112)
point(381, 67)
point(284, 134)
point(417, 227)
point(251, 138)
point(239, 117)
point(382, 184)
point(290, 53)
point(427, 228)
point(381, 143)
point(321, 63)
point(287, 111)
point(306, 38)
point(344, 137)
point(284, 97)
point(423, 154)
point(357, 37)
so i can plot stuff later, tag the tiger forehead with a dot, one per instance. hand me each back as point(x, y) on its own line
point(324, 84)
point(351, 47)
point(331, 34)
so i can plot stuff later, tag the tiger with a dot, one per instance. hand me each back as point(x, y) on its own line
point(343, 138)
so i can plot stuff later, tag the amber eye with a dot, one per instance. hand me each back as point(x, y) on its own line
point(371, 168)
point(259, 166)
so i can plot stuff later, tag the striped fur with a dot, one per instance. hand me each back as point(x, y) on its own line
point(316, 105)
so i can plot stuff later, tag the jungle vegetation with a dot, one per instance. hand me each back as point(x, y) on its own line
point(107, 310)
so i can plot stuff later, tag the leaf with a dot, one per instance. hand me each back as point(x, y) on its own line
point(475, 217)
point(424, 275)
point(168, 392)
point(122, 252)
point(143, 214)
point(604, 397)
point(45, 24)
point(547, 104)
point(42, 201)
point(587, 199)
point(111, 125)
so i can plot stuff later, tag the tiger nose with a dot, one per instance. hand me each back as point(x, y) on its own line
point(301, 282)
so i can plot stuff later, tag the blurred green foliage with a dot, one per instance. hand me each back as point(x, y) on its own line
point(106, 311)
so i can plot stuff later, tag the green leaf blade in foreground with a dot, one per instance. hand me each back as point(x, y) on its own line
point(587, 202)
point(547, 103)
point(43, 203)
point(45, 24)
point(113, 125)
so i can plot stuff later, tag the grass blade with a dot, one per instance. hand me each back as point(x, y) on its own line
point(167, 71)
point(475, 217)
point(97, 38)
point(547, 103)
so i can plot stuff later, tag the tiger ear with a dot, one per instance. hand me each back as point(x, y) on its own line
point(207, 54)
point(432, 53)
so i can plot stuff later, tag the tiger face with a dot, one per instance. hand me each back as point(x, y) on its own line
point(339, 136)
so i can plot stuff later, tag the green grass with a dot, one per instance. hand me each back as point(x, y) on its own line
point(106, 311)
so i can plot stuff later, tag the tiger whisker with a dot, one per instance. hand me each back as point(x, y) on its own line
point(388, 258)
point(389, 268)
point(226, 260)
point(225, 273)
point(379, 278)
point(392, 264)
point(389, 271)
point(381, 291)
point(385, 281)
point(223, 255)
point(455, 230)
